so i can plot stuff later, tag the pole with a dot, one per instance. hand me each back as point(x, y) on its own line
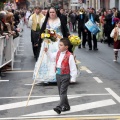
point(34, 80)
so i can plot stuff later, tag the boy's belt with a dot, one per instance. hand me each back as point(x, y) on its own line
point(58, 71)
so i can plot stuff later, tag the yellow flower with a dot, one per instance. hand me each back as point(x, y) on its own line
point(48, 35)
point(42, 35)
point(75, 40)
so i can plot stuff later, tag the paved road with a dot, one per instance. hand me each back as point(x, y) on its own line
point(96, 93)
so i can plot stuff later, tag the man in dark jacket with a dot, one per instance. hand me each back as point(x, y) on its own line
point(81, 27)
point(94, 18)
point(73, 18)
point(62, 11)
point(109, 26)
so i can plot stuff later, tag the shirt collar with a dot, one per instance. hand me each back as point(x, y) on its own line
point(64, 52)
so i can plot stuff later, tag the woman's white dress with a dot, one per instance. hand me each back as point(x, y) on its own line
point(46, 71)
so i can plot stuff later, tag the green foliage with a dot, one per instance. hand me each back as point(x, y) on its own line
point(2, 3)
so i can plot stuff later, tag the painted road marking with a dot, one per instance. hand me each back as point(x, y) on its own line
point(20, 50)
point(77, 108)
point(4, 80)
point(68, 117)
point(98, 80)
point(14, 69)
point(113, 94)
point(31, 102)
point(17, 61)
point(19, 71)
point(21, 46)
point(19, 54)
point(78, 95)
point(88, 71)
point(21, 43)
point(83, 68)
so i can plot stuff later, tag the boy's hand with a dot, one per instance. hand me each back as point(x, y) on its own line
point(45, 49)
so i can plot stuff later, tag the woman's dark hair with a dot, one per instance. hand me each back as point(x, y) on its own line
point(67, 42)
point(47, 16)
point(2, 15)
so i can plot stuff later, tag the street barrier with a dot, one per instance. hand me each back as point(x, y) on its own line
point(8, 49)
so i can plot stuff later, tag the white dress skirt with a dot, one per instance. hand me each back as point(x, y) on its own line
point(44, 71)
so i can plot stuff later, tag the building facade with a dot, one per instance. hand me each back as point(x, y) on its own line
point(76, 4)
point(97, 4)
point(115, 3)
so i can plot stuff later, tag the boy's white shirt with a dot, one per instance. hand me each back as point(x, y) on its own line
point(72, 65)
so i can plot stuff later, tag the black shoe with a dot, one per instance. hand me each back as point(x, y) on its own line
point(90, 48)
point(83, 46)
point(96, 49)
point(79, 46)
point(65, 109)
point(2, 75)
point(57, 110)
point(101, 40)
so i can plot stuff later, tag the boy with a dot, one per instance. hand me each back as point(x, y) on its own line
point(65, 68)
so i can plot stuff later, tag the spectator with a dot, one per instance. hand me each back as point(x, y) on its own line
point(73, 19)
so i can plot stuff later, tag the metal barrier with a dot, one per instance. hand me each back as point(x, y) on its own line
point(8, 49)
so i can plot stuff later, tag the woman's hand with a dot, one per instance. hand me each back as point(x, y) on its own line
point(85, 30)
point(18, 29)
point(7, 37)
point(45, 49)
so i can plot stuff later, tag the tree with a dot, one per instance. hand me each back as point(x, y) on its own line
point(2, 3)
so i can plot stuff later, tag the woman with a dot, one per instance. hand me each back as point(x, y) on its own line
point(10, 25)
point(46, 72)
point(3, 32)
point(115, 34)
point(3, 26)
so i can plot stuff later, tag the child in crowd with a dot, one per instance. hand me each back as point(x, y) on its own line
point(65, 69)
point(115, 34)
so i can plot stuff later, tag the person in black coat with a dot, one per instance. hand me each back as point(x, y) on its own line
point(73, 18)
point(109, 26)
point(81, 25)
point(63, 16)
point(94, 18)
point(3, 31)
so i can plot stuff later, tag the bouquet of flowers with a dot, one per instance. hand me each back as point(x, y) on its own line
point(75, 41)
point(49, 35)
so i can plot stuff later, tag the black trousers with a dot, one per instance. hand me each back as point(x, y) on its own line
point(35, 35)
point(109, 39)
point(82, 32)
point(74, 26)
point(0, 72)
point(38, 48)
point(90, 41)
point(63, 82)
